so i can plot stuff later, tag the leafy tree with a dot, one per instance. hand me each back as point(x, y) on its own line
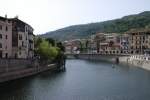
point(47, 51)
point(37, 41)
point(51, 41)
point(44, 50)
point(54, 51)
point(60, 45)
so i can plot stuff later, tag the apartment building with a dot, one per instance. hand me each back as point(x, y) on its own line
point(16, 38)
point(109, 43)
point(139, 41)
point(5, 38)
point(124, 43)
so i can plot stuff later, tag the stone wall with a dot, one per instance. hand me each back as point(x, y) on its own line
point(9, 65)
point(11, 69)
point(145, 64)
point(104, 57)
point(140, 63)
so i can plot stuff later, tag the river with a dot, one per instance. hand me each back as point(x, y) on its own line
point(82, 80)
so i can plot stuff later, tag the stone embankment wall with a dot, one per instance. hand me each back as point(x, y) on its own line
point(142, 63)
point(11, 69)
point(102, 57)
point(126, 59)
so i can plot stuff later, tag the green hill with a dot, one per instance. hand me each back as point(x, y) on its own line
point(121, 25)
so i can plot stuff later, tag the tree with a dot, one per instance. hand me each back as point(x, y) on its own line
point(37, 41)
point(60, 45)
point(43, 50)
point(46, 51)
point(51, 41)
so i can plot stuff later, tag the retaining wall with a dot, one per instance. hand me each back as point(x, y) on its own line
point(145, 64)
point(110, 58)
point(11, 69)
point(140, 63)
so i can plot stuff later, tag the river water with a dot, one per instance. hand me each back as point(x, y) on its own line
point(82, 80)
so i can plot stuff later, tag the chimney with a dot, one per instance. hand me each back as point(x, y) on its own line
point(6, 16)
point(16, 16)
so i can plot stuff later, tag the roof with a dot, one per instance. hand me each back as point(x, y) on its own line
point(16, 19)
point(3, 18)
point(20, 22)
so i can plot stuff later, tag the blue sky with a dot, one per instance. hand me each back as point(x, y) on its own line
point(49, 15)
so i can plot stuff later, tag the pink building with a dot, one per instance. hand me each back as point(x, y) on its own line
point(16, 39)
point(5, 38)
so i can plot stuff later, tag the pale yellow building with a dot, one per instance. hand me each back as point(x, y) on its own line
point(139, 41)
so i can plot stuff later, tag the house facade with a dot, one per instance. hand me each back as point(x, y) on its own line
point(17, 39)
point(124, 43)
point(5, 38)
point(139, 41)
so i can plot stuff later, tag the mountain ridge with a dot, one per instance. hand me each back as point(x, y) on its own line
point(120, 25)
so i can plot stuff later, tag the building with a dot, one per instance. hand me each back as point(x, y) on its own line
point(16, 39)
point(108, 43)
point(124, 42)
point(110, 47)
point(139, 41)
point(22, 39)
point(112, 37)
point(99, 38)
point(68, 47)
point(5, 38)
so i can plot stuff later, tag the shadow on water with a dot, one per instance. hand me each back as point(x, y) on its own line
point(20, 89)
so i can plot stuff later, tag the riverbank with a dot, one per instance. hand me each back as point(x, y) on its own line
point(142, 61)
point(11, 69)
point(125, 59)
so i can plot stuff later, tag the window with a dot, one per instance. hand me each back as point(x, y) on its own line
point(20, 37)
point(0, 45)
point(0, 36)
point(143, 37)
point(1, 27)
point(22, 43)
point(19, 48)
point(6, 36)
point(6, 55)
point(6, 28)
point(0, 54)
point(26, 29)
point(20, 53)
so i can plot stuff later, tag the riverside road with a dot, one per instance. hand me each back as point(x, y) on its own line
point(82, 80)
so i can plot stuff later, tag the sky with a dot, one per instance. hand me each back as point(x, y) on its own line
point(50, 15)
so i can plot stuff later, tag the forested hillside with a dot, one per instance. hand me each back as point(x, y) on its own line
point(121, 25)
